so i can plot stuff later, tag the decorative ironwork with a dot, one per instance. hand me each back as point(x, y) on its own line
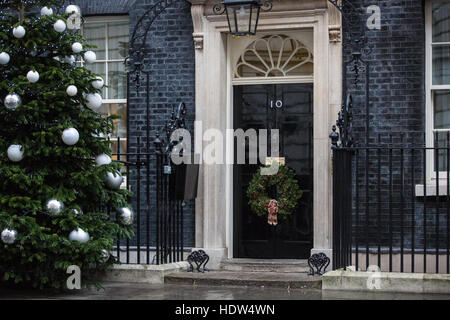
point(200, 258)
point(355, 40)
point(318, 264)
point(176, 121)
point(343, 138)
point(138, 41)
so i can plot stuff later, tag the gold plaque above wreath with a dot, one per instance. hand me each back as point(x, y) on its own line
point(288, 191)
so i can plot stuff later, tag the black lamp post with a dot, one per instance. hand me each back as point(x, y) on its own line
point(243, 15)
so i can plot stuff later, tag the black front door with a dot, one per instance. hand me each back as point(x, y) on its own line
point(289, 108)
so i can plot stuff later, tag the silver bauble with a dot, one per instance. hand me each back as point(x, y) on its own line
point(73, 9)
point(94, 101)
point(114, 180)
point(103, 159)
point(15, 152)
point(9, 236)
point(77, 47)
point(98, 83)
point(104, 256)
point(4, 58)
point(12, 101)
point(70, 136)
point(59, 26)
point(46, 11)
point(79, 235)
point(54, 207)
point(33, 76)
point(72, 90)
point(126, 216)
point(19, 32)
point(90, 56)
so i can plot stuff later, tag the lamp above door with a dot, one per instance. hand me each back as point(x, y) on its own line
point(242, 15)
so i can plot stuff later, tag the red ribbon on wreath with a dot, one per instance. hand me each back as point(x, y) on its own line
point(272, 218)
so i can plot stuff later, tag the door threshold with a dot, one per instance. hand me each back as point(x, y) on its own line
point(266, 261)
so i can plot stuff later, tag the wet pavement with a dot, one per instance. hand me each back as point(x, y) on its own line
point(132, 291)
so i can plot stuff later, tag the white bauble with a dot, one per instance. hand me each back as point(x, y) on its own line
point(46, 11)
point(71, 90)
point(73, 9)
point(126, 216)
point(70, 136)
point(33, 76)
point(4, 58)
point(79, 235)
point(114, 180)
point(90, 56)
point(54, 207)
point(94, 100)
point(15, 152)
point(19, 32)
point(103, 159)
point(9, 236)
point(12, 101)
point(98, 83)
point(59, 26)
point(77, 47)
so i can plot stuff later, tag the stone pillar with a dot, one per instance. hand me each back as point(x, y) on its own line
point(323, 204)
point(211, 75)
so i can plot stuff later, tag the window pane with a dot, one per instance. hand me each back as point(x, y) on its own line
point(95, 34)
point(117, 81)
point(118, 38)
point(120, 125)
point(441, 105)
point(99, 68)
point(441, 65)
point(123, 149)
point(441, 22)
point(441, 144)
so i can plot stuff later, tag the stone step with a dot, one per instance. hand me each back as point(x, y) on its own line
point(264, 265)
point(260, 279)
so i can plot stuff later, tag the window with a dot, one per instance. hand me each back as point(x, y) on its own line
point(438, 81)
point(275, 57)
point(111, 36)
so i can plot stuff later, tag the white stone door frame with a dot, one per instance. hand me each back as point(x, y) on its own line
point(214, 232)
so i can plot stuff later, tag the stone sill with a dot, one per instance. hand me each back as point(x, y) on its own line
point(431, 189)
point(386, 282)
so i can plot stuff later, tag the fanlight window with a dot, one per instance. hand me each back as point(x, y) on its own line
point(275, 56)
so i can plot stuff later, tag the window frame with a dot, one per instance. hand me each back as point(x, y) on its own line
point(105, 20)
point(430, 89)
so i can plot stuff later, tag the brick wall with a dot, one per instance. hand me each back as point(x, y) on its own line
point(396, 118)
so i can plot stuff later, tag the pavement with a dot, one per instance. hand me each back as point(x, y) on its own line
point(133, 291)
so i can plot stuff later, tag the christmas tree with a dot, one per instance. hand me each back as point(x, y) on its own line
point(56, 173)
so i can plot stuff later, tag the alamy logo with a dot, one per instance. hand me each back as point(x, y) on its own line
point(374, 21)
point(74, 281)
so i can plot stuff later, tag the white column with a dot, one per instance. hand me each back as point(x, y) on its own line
point(211, 77)
point(322, 168)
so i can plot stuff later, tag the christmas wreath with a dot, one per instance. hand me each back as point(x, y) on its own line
point(287, 189)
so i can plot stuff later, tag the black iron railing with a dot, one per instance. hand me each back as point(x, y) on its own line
point(392, 205)
point(159, 190)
